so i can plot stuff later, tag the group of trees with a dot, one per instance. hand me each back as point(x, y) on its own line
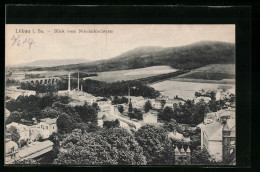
point(117, 100)
point(147, 106)
point(135, 114)
point(13, 134)
point(112, 146)
point(53, 106)
point(83, 74)
point(39, 88)
point(28, 107)
point(187, 113)
point(116, 146)
point(11, 82)
point(120, 108)
point(119, 88)
point(111, 124)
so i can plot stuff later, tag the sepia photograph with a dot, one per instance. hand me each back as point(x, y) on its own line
point(120, 94)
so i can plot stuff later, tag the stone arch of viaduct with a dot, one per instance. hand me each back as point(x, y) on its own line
point(44, 81)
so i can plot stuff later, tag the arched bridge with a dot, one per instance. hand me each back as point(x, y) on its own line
point(44, 81)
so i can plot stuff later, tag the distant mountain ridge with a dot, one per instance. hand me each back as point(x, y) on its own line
point(52, 62)
point(190, 56)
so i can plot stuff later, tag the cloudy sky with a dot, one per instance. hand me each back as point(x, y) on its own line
point(97, 46)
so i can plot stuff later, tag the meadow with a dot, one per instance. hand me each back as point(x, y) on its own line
point(132, 74)
point(185, 90)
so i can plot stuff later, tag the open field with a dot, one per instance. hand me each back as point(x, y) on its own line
point(132, 74)
point(212, 72)
point(185, 90)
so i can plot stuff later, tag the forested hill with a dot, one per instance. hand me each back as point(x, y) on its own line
point(183, 57)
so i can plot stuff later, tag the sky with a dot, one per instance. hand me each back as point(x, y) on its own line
point(27, 47)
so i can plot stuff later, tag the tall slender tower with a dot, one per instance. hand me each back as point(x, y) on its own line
point(128, 95)
point(78, 80)
point(69, 82)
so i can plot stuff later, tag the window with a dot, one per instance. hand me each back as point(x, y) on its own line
point(53, 127)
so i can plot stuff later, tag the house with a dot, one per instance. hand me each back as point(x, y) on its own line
point(48, 126)
point(150, 117)
point(229, 142)
point(171, 102)
point(23, 130)
point(34, 150)
point(178, 136)
point(14, 92)
point(11, 149)
point(205, 99)
point(211, 139)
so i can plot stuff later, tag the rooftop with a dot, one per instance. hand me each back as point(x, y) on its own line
point(34, 149)
point(49, 120)
point(212, 130)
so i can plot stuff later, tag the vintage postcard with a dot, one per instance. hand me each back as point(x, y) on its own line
point(132, 94)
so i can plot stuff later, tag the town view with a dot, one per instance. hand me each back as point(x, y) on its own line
point(149, 105)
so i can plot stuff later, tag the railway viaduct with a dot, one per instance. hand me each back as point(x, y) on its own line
point(45, 81)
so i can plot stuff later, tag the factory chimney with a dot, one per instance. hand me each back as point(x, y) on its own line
point(78, 80)
point(69, 82)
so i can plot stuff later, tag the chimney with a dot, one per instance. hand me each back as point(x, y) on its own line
point(128, 95)
point(78, 80)
point(69, 82)
point(81, 87)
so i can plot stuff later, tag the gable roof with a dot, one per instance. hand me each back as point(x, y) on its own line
point(49, 120)
point(212, 130)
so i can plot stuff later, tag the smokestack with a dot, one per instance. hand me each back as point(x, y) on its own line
point(81, 87)
point(128, 95)
point(78, 80)
point(69, 82)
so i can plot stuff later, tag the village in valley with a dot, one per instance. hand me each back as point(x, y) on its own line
point(215, 133)
point(138, 95)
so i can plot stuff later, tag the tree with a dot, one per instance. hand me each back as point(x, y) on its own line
point(129, 151)
point(13, 117)
point(213, 106)
point(13, 134)
point(87, 113)
point(64, 124)
point(166, 114)
point(130, 108)
point(22, 143)
point(49, 112)
point(111, 124)
point(157, 148)
point(200, 157)
point(163, 102)
point(87, 149)
point(213, 95)
point(147, 106)
point(172, 126)
point(139, 115)
point(120, 108)
point(131, 115)
point(95, 106)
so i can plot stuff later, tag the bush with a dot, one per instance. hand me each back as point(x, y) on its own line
point(120, 108)
point(111, 124)
point(147, 106)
